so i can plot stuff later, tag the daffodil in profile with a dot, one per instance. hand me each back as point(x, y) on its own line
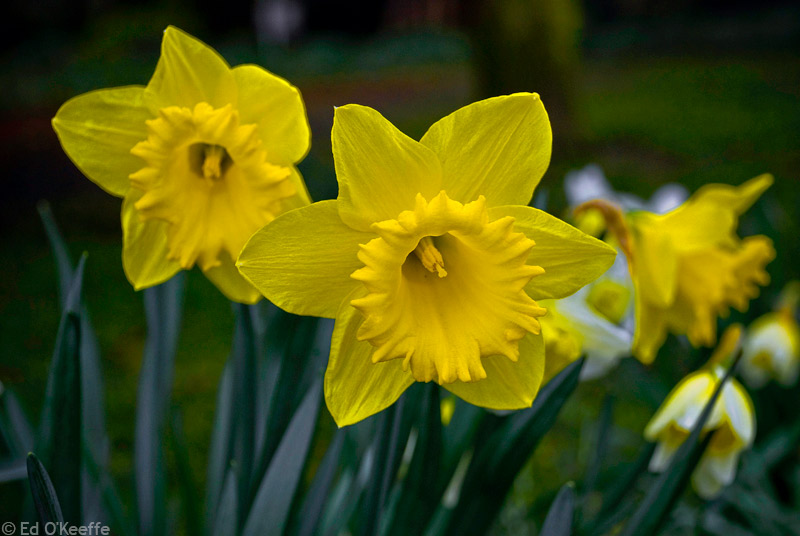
point(430, 260)
point(688, 266)
point(731, 423)
point(771, 348)
point(203, 156)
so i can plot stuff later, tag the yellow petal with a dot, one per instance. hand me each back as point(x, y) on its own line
point(508, 385)
point(189, 72)
point(380, 170)
point(355, 387)
point(684, 404)
point(97, 131)
point(230, 282)
point(570, 257)
point(302, 260)
point(144, 250)
point(498, 148)
point(656, 260)
point(711, 215)
point(301, 198)
point(650, 332)
point(277, 108)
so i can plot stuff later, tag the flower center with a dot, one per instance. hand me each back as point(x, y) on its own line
point(443, 325)
point(238, 191)
point(429, 256)
point(209, 161)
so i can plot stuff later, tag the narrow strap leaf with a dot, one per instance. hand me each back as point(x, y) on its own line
point(559, 518)
point(270, 509)
point(44, 495)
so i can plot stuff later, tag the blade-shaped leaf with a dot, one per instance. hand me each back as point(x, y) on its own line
point(244, 380)
point(221, 449)
point(15, 429)
point(314, 503)
point(93, 404)
point(226, 519)
point(14, 469)
point(659, 499)
point(60, 430)
point(44, 495)
point(419, 496)
point(163, 312)
point(559, 518)
point(186, 481)
point(498, 460)
point(270, 509)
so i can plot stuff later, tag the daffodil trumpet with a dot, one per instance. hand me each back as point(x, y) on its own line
point(430, 260)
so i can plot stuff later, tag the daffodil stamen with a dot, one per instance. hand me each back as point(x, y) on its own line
point(215, 161)
point(430, 257)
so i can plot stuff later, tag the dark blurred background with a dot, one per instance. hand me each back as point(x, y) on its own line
point(686, 91)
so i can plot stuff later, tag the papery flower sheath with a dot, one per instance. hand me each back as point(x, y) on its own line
point(731, 423)
point(429, 259)
point(203, 156)
point(688, 265)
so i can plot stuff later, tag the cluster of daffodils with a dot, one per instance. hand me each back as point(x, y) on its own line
point(731, 423)
point(430, 260)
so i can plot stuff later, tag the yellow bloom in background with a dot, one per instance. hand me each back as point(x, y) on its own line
point(731, 423)
point(688, 266)
point(429, 259)
point(771, 348)
point(203, 156)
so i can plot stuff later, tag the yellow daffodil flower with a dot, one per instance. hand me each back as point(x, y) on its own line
point(731, 423)
point(429, 259)
point(688, 266)
point(771, 348)
point(203, 156)
point(591, 322)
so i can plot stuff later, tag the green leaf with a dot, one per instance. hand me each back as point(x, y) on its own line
point(665, 490)
point(226, 520)
point(13, 469)
point(44, 495)
point(559, 518)
point(163, 312)
point(497, 460)
point(270, 509)
point(60, 429)
point(389, 444)
point(419, 495)
point(614, 509)
point(15, 428)
point(243, 355)
point(221, 449)
point(313, 506)
point(186, 481)
point(287, 346)
point(93, 412)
